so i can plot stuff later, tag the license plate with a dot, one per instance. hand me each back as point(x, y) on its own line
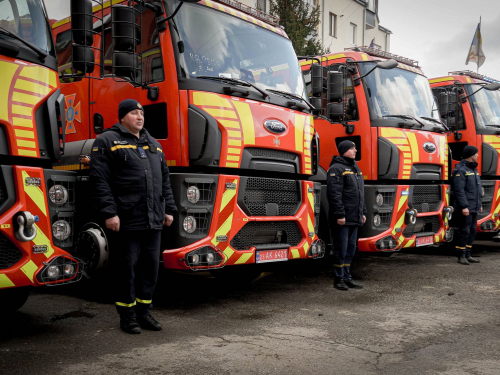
point(265, 256)
point(422, 241)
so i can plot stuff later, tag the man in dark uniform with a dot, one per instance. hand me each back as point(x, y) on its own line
point(347, 211)
point(131, 191)
point(467, 194)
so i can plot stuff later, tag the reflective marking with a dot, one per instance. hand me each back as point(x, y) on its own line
point(310, 225)
point(412, 138)
point(227, 196)
point(203, 98)
point(22, 143)
point(114, 148)
point(243, 258)
point(42, 239)
point(233, 157)
point(32, 86)
point(232, 165)
point(35, 193)
point(306, 248)
point(247, 124)
point(125, 304)
point(229, 252)
point(403, 199)
point(5, 282)
point(233, 151)
point(230, 124)
point(233, 134)
point(146, 301)
point(24, 134)
point(234, 142)
point(223, 230)
point(295, 253)
point(26, 152)
point(25, 98)
point(25, 123)
point(29, 269)
point(410, 243)
point(217, 112)
point(441, 79)
point(299, 133)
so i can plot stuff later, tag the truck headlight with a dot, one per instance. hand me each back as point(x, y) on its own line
point(193, 194)
point(189, 224)
point(61, 230)
point(58, 195)
point(53, 272)
point(377, 220)
point(379, 199)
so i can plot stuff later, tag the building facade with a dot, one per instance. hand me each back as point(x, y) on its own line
point(344, 23)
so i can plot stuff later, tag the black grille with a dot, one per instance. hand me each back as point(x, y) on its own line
point(388, 197)
point(262, 191)
point(270, 153)
point(267, 233)
point(385, 219)
point(487, 199)
point(430, 195)
point(425, 226)
point(9, 254)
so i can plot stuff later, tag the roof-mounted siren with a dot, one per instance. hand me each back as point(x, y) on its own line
point(387, 55)
point(471, 74)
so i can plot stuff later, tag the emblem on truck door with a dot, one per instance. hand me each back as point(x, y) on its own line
point(429, 147)
point(275, 126)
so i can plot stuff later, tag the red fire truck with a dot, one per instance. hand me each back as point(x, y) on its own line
point(224, 95)
point(469, 104)
point(36, 202)
point(383, 103)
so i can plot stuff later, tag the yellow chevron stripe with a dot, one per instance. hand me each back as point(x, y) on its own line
point(227, 196)
point(35, 193)
point(42, 239)
point(223, 230)
point(295, 253)
point(205, 98)
point(229, 252)
point(306, 248)
point(29, 269)
point(310, 225)
point(247, 124)
point(243, 258)
point(410, 243)
point(412, 138)
point(5, 282)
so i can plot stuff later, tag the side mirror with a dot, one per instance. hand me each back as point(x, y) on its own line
point(317, 79)
point(492, 86)
point(81, 29)
point(458, 136)
point(387, 64)
point(98, 123)
point(335, 111)
point(335, 86)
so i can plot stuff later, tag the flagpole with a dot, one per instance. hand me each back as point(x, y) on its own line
point(478, 45)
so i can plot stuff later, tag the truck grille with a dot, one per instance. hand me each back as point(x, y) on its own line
point(426, 196)
point(9, 254)
point(261, 192)
point(267, 233)
point(425, 226)
point(269, 153)
point(487, 199)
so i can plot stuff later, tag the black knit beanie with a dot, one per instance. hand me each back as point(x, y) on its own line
point(345, 146)
point(469, 151)
point(126, 106)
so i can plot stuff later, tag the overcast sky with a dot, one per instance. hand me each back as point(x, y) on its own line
point(436, 33)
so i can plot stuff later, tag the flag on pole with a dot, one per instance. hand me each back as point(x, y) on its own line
point(372, 44)
point(476, 50)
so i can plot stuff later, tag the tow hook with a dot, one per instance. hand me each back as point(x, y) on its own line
point(25, 221)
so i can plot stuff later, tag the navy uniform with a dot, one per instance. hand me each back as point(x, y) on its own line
point(346, 199)
point(467, 193)
point(130, 179)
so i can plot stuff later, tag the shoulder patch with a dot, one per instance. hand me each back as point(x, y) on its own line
point(95, 148)
point(332, 174)
point(120, 142)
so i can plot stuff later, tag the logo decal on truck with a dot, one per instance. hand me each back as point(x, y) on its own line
point(429, 147)
point(73, 113)
point(275, 126)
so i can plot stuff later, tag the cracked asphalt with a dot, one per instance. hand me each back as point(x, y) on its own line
point(419, 313)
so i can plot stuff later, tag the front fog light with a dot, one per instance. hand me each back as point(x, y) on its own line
point(379, 200)
point(193, 194)
point(69, 269)
point(195, 258)
point(210, 257)
point(61, 230)
point(377, 220)
point(314, 249)
point(53, 272)
point(189, 224)
point(58, 195)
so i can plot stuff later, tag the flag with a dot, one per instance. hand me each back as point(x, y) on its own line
point(476, 51)
point(372, 44)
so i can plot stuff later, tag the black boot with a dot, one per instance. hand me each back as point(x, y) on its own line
point(148, 322)
point(130, 325)
point(352, 284)
point(340, 285)
point(471, 259)
point(463, 260)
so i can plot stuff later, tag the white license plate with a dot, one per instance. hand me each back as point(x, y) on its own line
point(265, 256)
point(423, 241)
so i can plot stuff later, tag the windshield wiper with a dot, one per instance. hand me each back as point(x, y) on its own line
point(292, 96)
point(236, 81)
point(436, 121)
point(39, 52)
point(406, 117)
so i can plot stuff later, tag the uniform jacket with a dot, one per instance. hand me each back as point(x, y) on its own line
point(346, 191)
point(466, 187)
point(124, 183)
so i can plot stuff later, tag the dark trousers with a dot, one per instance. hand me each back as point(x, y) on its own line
point(136, 271)
point(344, 247)
point(466, 233)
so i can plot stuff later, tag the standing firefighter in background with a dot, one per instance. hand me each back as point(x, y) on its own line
point(466, 189)
point(131, 190)
point(347, 210)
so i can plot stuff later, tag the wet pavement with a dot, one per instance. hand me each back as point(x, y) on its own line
point(419, 313)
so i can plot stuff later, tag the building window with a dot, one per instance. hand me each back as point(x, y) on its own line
point(333, 25)
point(352, 34)
point(261, 5)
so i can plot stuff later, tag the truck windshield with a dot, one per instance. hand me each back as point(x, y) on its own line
point(220, 45)
point(26, 19)
point(485, 106)
point(398, 92)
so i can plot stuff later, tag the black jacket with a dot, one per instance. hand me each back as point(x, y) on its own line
point(135, 188)
point(466, 187)
point(345, 191)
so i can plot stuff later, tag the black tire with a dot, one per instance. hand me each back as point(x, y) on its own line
point(13, 298)
point(237, 274)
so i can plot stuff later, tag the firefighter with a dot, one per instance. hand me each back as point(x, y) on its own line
point(347, 211)
point(132, 194)
point(467, 194)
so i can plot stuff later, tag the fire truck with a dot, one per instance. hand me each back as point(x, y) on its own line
point(383, 103)
point(223, 93)
point(36, 202)
point(469, 104)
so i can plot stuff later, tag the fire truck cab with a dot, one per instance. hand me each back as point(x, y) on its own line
point(383, 103)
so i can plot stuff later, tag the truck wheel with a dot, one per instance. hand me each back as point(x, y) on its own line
point(237, 274)
point(13, 298)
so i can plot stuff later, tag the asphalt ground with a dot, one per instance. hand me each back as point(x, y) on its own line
point(419, 313)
